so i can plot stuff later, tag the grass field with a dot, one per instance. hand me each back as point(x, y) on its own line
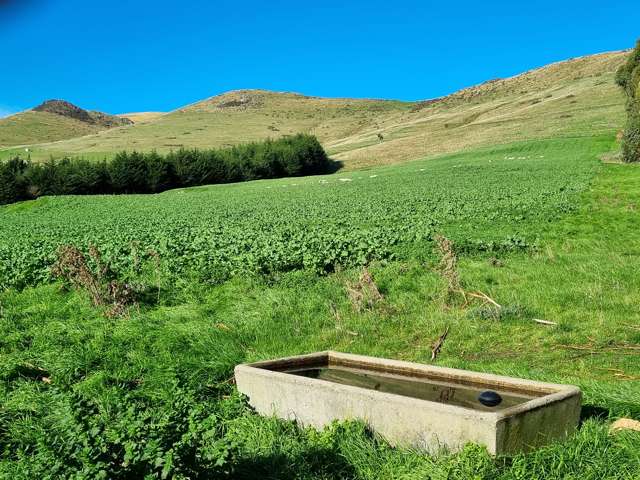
point(573, 98)
point(542, 227)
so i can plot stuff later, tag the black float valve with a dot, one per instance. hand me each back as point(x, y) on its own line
point(489, 398)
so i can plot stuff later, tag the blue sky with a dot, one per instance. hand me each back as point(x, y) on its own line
point(125, 56)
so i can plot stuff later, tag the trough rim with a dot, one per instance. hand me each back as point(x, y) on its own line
point(556, 392)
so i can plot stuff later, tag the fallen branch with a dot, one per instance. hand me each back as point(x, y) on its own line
point(544, 322)
point(588, 348)
point(616, 372)
point(334, 312)
point(485, 297)
point(438, 345)
point(348, 332)
point(594, 350)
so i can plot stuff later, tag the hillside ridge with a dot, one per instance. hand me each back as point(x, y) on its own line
point(575, 97)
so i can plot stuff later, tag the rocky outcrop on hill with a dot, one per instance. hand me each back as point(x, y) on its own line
point(67, 109)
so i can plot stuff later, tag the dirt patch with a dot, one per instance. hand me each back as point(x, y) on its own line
point(241, 101)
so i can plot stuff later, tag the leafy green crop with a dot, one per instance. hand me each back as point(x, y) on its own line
point(496, 199)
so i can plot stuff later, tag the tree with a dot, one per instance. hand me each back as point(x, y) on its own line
point(128, 173)
point(161, 175)
point(137, 172)
point(11, 180)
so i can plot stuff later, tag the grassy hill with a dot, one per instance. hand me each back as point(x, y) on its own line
point(577, 97)
point(139, 117)
point(52, 121)
point(28, 127)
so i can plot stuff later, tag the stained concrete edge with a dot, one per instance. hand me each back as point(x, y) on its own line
point(408, 421)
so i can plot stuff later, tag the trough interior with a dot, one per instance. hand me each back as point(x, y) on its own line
point(454, 389)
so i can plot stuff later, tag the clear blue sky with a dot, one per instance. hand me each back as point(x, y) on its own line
point(138, 55)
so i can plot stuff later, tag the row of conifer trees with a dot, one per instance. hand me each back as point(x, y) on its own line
point(137, 172)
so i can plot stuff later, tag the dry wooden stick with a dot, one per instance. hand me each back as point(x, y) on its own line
point(544, 322)
point(620, 374)
point(438, 345)
point(593, 350)
point(485, 297)
point(588, 348)
point(334, 312)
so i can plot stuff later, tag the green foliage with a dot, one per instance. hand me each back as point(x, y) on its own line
point(628, 77)
point(149, 396)
point(67, 177)
point(626, 73)
point(177, 437)
point(11, 180)
point(492, 201)
point(128, 173)
point(135, 172)
point(160, 410)
point(160, 172)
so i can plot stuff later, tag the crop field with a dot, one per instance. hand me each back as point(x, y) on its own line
point(493, 200)
point(266, 269)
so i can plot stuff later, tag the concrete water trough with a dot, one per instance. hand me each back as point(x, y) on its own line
point(411, 404)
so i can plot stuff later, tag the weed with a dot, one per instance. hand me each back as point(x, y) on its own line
point(448, 268)
point(364, 293)
point(94, 277)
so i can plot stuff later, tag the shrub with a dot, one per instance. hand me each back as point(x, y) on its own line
point(628, 77)
point(91, 274)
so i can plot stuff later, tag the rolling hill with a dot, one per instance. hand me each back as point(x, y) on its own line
point(577, 97)
point(54, 120)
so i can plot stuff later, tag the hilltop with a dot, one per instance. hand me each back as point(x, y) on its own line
point(55, 120)
point(66, 109)
point(577, 97)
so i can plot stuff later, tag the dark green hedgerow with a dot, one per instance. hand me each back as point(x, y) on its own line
point(136, 172)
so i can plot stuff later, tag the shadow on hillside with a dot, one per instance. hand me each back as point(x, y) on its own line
point(334, 165)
